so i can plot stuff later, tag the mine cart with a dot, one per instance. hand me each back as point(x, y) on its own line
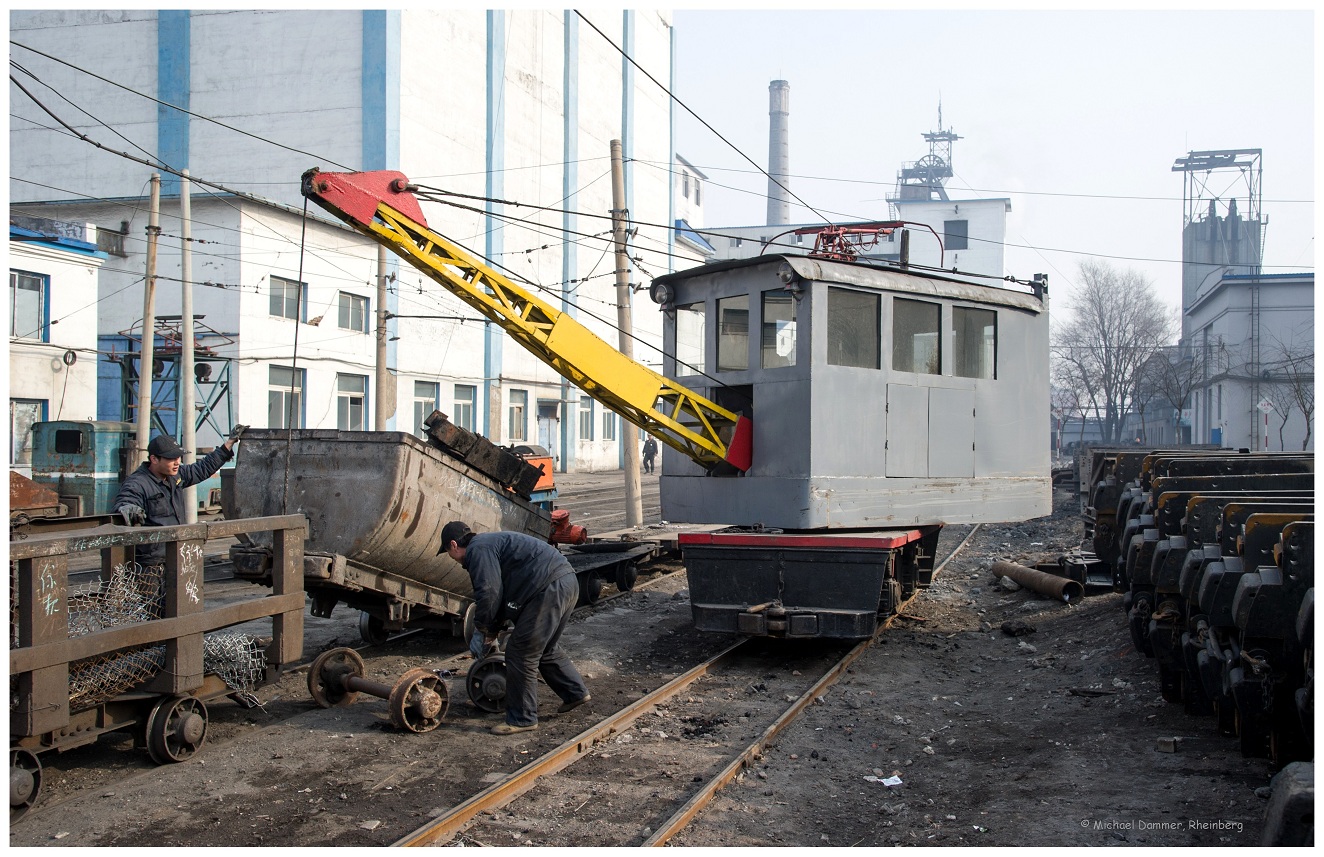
point(138, 647)
point(376, 503)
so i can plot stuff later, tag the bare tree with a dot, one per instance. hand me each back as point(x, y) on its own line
point(1065, 403)
point(1115, 325)
point(1174, 373)
point(1284, 402)
point(1291, 368)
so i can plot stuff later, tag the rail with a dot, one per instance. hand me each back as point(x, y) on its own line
point(446, 827)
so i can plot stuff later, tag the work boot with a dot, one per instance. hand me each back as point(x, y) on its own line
point(567, 707)
point(511, 728)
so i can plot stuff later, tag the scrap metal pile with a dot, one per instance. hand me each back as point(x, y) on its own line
point(1214, 550)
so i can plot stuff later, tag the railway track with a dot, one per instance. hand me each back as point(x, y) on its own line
point(661, 802)
point(600, 774)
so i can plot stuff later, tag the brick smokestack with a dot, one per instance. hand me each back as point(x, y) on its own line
point(779, 153)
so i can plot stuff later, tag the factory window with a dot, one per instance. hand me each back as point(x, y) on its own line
point(353, 312)
point(22, 414)
point(351, 402)
point(427, 398)
point(697, 199)
point(955, 234)
point(915, 326)
point(29, 305)
point(690, 330)
point(733, 334)
point(974, 343)
point(685, 184)
point(519, 409)
point(1219, 410)
point(289, 299)
point(284, 397)
point(608, 425)
point(585, 418)
point(799, 239)
point(853, 336)
point(466, 398)
point(777, 342)
point(735, 242)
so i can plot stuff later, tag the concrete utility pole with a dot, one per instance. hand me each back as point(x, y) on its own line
point(379, 408)
point(145, 356)
point(634, 502)
point(188, 435)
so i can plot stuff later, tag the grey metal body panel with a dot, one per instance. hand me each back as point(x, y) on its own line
point(851, 447)
point(379, 499)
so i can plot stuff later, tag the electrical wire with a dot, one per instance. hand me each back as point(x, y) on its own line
point(176, 107)
point(701, 120)
point(663, 165)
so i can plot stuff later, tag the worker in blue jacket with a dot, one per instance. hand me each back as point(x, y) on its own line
point(154, 493)
point(523, 579)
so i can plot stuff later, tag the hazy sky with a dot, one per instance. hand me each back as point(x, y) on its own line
point(1076, 116)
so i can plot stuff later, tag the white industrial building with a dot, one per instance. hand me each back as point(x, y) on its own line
point(52, 328)
point(1254, 337)
point(963, 237)
point(517, 106)
point(968, 235)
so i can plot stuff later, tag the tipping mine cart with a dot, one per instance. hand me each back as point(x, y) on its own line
point(136, 648)
point(376, 503)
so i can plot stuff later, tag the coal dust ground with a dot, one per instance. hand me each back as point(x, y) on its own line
point(946, 733)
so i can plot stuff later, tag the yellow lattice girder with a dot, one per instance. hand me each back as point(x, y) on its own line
point(684, 420)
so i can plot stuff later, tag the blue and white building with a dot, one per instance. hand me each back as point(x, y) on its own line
point(516, 105)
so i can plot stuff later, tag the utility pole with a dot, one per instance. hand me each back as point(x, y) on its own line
point(382, 376)
point(188, 433)
point(145, 356)
point(634, 504)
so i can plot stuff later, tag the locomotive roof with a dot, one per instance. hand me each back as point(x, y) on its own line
point(868, 276)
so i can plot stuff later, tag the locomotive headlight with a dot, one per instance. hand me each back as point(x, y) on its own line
point(790, 279)
point(661, 293)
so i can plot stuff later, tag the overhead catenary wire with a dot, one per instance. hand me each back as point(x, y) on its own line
point(687, 109)
point(279, 205)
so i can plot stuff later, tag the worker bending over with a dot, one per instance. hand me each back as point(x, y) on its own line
point(523, 579)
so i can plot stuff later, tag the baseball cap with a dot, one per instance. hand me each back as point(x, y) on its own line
point(452, 532)
point(164, 446)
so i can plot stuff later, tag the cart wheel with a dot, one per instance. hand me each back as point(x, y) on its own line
point(372, 630)
point(176, 729)
point(626, 574)
point(590, 588)
point(418, 701)
point(467, 623)
point(486, 683)
point(24, 782)
point(327, 674)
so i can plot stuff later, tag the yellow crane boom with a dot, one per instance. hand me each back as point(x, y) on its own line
point(381, 205)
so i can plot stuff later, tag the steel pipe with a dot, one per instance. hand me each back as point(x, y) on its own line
point(1060, 588)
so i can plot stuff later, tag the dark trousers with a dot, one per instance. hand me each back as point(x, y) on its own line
point(648, 464)
point(532, 649)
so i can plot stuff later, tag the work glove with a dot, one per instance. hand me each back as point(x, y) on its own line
point(132, 514)
point(237, 431)
point(476, 646)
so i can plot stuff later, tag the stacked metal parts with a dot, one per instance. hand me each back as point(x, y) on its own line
point(1214, 550)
